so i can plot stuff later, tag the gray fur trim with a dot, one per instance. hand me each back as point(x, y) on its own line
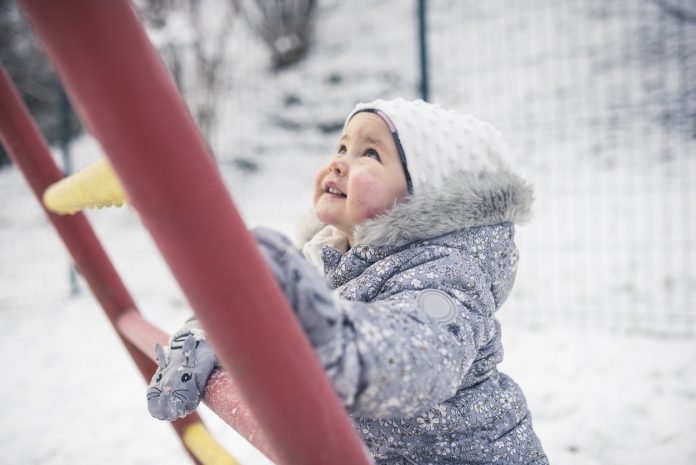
point(465, 200)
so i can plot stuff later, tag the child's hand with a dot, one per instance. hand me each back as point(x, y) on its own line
point(303, 286)
point(178, 384)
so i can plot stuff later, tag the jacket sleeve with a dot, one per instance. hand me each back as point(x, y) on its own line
point(397, 356)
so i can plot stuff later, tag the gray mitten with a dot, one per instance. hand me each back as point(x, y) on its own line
point(177, 387)
point(304, 287)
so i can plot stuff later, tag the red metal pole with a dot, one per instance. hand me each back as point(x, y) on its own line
point(131, 105)
point(31, 154)
point(29, 151)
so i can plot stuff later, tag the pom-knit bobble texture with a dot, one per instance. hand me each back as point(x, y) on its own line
point(438, 142)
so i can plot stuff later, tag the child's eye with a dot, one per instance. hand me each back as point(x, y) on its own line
point(342, 150)
point(185, 377)
point(372, 154)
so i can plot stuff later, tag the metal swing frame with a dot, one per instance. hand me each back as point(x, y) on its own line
point(280, 399)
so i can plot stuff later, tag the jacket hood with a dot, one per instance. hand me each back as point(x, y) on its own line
point(464, 200)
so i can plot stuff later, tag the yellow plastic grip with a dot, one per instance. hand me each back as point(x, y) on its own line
point(95, 186)
point(204, 447)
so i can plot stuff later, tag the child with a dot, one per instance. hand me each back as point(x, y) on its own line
point(413, 232)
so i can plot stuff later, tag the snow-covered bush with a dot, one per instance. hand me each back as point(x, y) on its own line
point(285, 26)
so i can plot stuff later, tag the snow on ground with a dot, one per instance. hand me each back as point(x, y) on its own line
point(74, 397)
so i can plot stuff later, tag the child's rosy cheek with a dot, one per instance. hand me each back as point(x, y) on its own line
point(365, 194)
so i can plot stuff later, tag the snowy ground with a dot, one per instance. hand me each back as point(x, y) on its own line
point(74, 397)
point(598, 396)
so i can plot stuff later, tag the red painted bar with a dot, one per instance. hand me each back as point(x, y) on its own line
point(221, 395)
point(127, 99)
point(141, 333)
point(29, 151)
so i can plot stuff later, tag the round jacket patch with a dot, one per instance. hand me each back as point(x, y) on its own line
point(438, 305)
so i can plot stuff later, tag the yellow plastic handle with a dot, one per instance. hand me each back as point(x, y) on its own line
point(96, 186)
point(206, 449)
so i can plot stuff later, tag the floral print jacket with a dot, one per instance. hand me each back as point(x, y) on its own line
point(405, 328)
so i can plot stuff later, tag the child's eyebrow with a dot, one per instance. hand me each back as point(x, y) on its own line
point(368, 138)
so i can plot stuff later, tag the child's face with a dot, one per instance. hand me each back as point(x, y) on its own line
point(363, 178)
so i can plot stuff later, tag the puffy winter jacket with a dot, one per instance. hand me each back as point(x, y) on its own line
point(408, 336)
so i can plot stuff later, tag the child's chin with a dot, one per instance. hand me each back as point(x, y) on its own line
point(324, 216)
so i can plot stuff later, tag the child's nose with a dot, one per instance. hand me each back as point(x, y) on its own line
point(338, 166)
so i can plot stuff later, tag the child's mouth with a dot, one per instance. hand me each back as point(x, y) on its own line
point(335, 193)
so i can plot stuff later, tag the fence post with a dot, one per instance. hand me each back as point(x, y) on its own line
point(64, 117)
point(423, 50)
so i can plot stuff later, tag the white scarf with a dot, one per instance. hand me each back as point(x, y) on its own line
point(328, 235)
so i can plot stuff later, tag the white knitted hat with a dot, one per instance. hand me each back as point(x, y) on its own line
point(434, 142)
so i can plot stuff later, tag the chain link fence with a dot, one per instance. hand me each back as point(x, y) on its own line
point(597, 101)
